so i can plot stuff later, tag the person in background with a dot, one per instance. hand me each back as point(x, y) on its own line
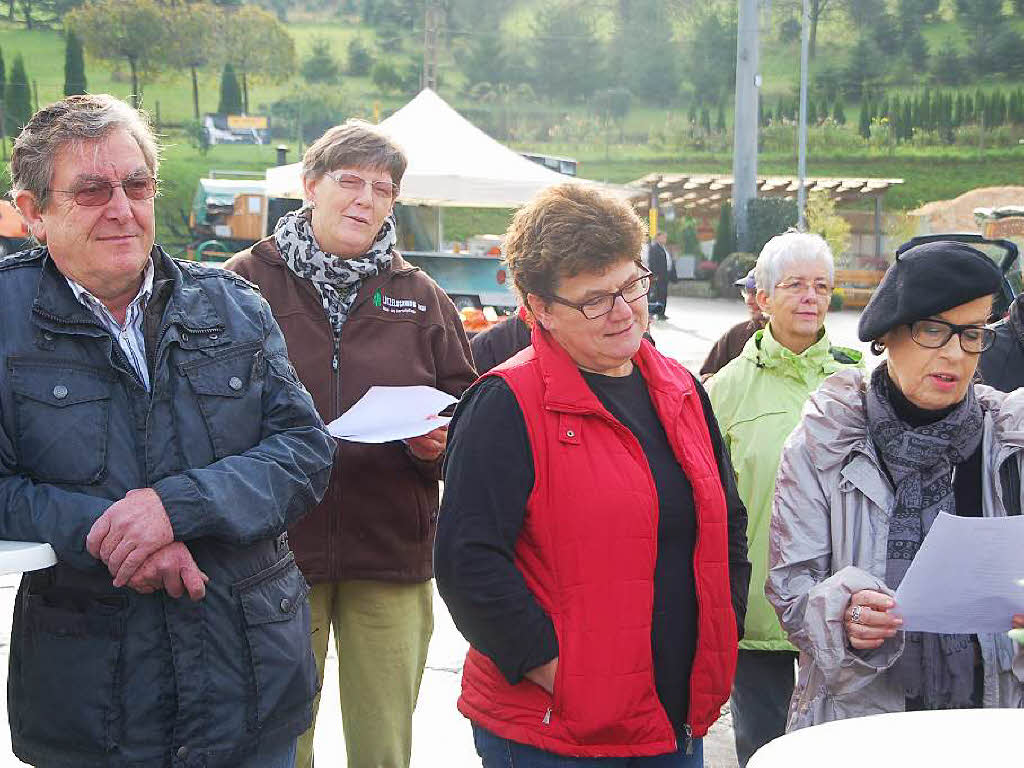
point(591, 544)
point(501, 341)
point(355, 314)
point(876, 458)
point(153, 432)
point(1002, 365)
point(729, 346)
point(757, 399)
point(660, 263)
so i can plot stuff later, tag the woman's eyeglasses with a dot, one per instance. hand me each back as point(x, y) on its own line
point(799, 287)
point(383, 191)
point(935, 334)
point(599, 306)
point(96, 193)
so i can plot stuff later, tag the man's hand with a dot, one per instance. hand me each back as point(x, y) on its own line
point(429, 446)
point(172, 569)
point(129, 532)
point(544, 675)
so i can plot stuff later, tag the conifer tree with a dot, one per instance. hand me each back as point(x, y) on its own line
point(230, 93)
point(17, 98)
point(838, 113)
point(74, 66)
point(864, 121)
point(725, 236)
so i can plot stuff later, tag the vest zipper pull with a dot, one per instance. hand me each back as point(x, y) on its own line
point(547, 717)
point(689, 739)
point(334, 363)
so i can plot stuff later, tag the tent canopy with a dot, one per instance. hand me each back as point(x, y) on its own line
point(451, 162)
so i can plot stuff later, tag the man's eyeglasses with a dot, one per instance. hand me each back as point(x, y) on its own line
point(383, 191)
point(799, 286)
point(95, 193)
point(935, 334)
point(599, 306)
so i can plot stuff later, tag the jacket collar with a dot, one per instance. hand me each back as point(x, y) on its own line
point(565, 389)
point(268, 253)
point(188, 307)
point(766, 352)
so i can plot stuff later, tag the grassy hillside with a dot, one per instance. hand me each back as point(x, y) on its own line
point(930, 172)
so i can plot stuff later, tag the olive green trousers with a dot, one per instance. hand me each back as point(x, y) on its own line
point(381, 633)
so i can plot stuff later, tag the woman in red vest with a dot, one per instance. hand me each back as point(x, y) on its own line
point(591, 545)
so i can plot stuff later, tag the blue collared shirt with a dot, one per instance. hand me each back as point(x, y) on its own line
point(130, 337)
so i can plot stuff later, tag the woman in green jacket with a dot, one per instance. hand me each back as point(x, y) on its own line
point(757, 399)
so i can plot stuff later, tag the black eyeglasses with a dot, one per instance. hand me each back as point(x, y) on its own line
point(599, 306)
point(95, 193)
point(935, 334)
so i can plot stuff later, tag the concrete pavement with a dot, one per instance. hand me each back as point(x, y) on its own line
point(441, 736)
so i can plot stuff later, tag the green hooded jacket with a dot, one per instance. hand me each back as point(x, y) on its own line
point(757, 399)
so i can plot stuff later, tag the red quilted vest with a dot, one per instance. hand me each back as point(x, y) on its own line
point(587, 551)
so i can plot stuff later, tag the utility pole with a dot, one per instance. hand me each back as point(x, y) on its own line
point(801, 172)
point(432, 22)
point(744, 157)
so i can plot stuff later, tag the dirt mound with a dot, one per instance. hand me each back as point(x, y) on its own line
point(957, 215)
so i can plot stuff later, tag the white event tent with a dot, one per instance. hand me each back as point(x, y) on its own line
point(451, 163)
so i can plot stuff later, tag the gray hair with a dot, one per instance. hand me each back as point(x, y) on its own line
point(783, 251)
point(354, 144)
point(74, 120)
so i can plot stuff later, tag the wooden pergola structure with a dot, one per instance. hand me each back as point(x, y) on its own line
point(701, 195)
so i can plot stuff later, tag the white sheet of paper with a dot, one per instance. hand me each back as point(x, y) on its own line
point(392, 413)
point(967, 577)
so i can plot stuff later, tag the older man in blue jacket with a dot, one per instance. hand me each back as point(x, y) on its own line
point(154, 433)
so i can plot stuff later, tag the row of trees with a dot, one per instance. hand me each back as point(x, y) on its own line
point(941, 111)
point(153, 38)
point(564, 57)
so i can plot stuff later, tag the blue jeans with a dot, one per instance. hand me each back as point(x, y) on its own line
point(277, 756)
point(761, 692)
point(496, 752)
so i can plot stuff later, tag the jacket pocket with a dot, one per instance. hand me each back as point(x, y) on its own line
point(228, 392)
point(62, 415)
point(68, 671)
point(275, 610)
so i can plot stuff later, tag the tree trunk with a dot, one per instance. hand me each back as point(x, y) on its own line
point(135, 82)
point(10, 10)
point(195, 92)
point(245, 93)
point(814, 13)
point(26, 8)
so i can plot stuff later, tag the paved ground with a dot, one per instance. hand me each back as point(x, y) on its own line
point(441, 736)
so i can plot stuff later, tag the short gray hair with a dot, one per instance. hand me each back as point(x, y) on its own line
point(74, 120)
point(784, 250)
point(354, 144)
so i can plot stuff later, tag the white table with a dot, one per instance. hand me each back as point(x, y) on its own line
point(942, 739)
point(21, 556)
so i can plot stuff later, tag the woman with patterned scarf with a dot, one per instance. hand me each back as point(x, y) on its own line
point(355, 314)
point(876, 458)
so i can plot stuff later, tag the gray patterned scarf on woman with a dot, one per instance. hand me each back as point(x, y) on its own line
point(937, 669)
point(336, 279)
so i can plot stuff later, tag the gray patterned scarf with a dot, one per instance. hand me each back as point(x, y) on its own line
point(335, 279)
point(937, 669)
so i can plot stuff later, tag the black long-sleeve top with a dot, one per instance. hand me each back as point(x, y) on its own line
point(489, 477)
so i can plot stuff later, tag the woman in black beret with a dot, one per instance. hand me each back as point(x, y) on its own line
point(875, 459)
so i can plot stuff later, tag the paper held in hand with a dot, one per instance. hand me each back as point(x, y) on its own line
point(967, 577)
point(392, 413)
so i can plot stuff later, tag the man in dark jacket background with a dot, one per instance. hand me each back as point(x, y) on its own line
point(660, 263)
point(154, 433)
point(1002, 365)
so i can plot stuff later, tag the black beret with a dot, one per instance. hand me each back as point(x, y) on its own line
point(926, 280)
